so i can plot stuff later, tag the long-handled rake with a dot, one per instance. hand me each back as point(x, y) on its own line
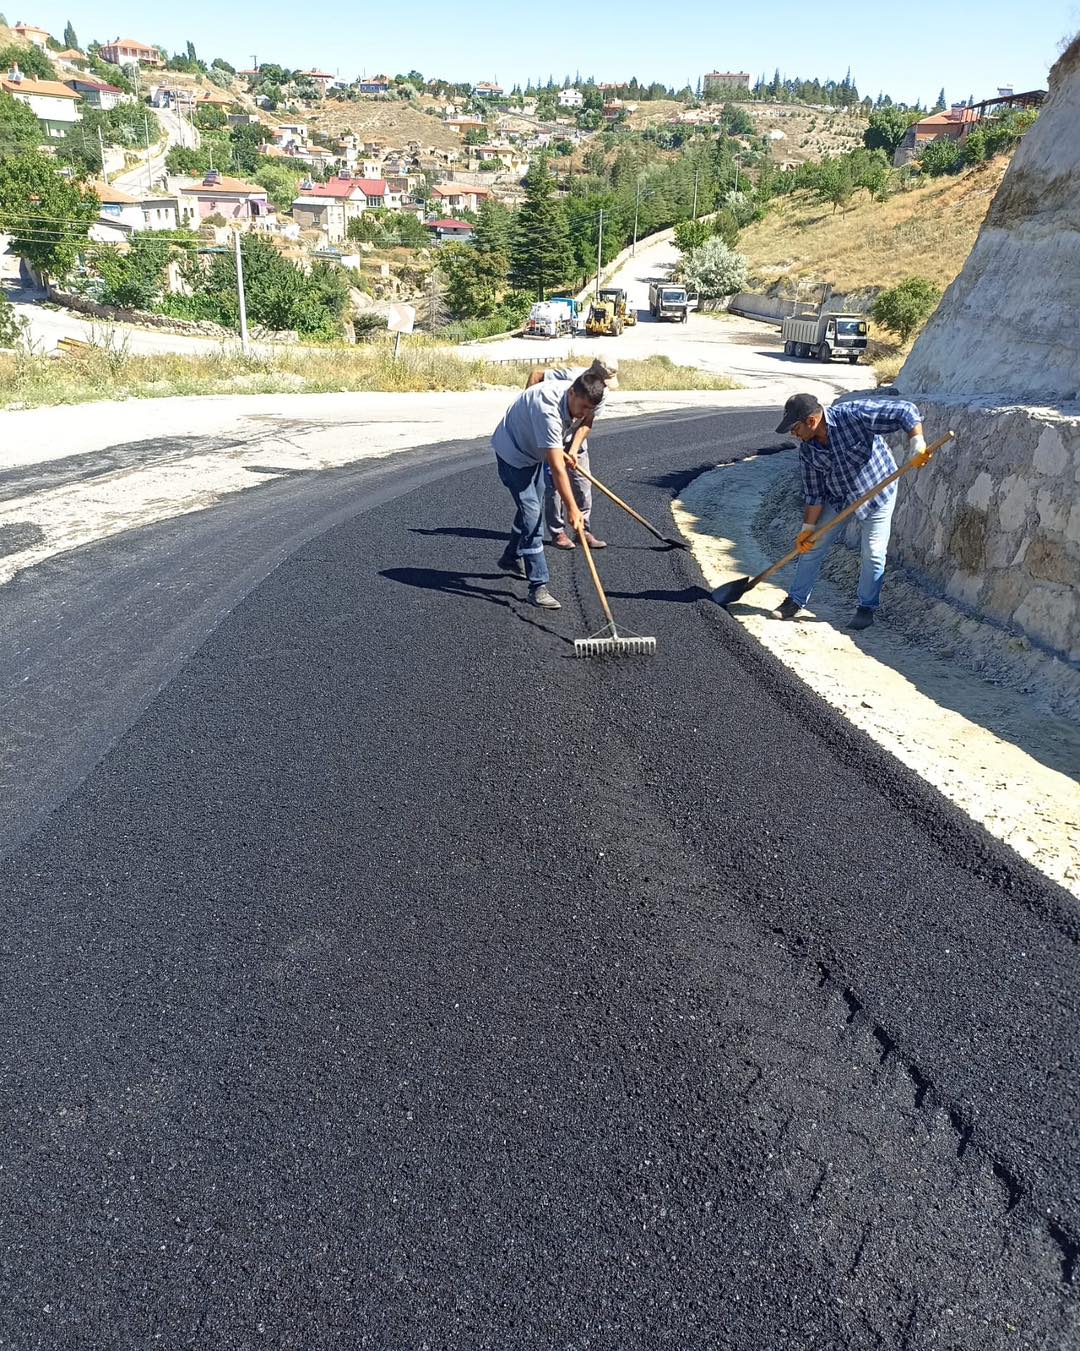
point(657, 534)
point(609, 642)
point(730, 592)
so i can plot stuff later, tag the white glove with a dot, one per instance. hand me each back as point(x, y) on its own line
point(916, 443)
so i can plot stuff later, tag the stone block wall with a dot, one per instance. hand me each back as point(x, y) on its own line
point(994, 520)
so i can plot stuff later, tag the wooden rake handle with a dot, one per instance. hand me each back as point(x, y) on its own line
point(620, 503)
point(596, 580)
point(853, 507)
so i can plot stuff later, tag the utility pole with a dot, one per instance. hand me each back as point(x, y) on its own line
point(101, 145)
point(637, 204)
point(696, 172)
point(146, 133)
point(240, 295)
point(736, 173)
point(599, 251)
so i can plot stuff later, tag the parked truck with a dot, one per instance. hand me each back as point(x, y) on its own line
point(668, 301)
point(825, 336)
point(568, 312)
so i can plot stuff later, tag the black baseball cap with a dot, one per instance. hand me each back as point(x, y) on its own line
point(797, 409)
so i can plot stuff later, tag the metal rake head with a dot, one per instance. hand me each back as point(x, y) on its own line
point(610, 643)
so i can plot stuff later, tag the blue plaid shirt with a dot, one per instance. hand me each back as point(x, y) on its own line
point(856, 457)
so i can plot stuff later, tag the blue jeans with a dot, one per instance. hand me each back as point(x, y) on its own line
point(874, 530)
point(527, 533)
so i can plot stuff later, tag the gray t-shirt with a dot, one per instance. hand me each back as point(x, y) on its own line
point(538, 421)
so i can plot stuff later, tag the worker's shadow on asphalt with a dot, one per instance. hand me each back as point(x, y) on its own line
point(460, 584)
point(462, 532)
point(687, 595)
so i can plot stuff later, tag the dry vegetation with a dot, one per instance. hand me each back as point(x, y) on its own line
point(107, 372)
point(926, 231)
point(395, 123)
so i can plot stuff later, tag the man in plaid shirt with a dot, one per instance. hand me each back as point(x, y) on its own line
point(842, 456)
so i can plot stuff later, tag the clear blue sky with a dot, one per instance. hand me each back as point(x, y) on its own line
point(968, 49)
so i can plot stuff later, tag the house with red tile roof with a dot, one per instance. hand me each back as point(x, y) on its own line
point(332, 206)
point(124, 51)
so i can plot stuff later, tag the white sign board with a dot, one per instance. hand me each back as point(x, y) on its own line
point(401, 319)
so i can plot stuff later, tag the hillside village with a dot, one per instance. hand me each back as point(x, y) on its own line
point(381, 176)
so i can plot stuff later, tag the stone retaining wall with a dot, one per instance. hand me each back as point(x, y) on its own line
point(144, 318)
point(994, 519)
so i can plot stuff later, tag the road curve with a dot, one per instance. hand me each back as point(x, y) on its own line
point(376, 974)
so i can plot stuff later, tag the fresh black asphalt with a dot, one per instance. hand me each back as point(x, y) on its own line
point(376, 974)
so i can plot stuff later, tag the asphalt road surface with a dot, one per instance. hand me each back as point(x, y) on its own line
point(375, 974)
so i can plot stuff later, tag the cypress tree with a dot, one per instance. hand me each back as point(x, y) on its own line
point(540, 254)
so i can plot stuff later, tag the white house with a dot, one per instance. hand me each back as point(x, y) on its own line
point(571, 98)
point(96, 93)
point(122, 214)
point(54, 105)
point(460, 196)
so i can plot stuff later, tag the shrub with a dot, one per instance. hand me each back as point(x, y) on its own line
point(904, 308)
point(942, 156)
point(714, 271)
point(11, 324)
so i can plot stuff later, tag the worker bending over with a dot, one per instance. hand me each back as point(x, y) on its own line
point(545, 424)
point(842, 456)
point(579, 448)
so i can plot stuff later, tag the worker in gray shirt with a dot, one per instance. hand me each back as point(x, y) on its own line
point(553, 512)
point(544, 425)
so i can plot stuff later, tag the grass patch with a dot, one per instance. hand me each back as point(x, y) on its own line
point(109, 372)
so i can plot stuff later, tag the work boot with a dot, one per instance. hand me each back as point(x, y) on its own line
point(561, 540)
point(540, 595)
point(861, 619)
point(788, 609)
point(593, 542)
point(512, 564)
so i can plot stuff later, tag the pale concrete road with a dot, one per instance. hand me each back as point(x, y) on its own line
point(141, 177)
point(750, 353)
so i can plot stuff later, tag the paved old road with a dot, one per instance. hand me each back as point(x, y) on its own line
point(392, 979)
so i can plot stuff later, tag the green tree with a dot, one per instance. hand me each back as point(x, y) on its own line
point(191, 52)
point(70, 40)
point(942, 156)
point(540, 254)
point(408, 232)
point(223, 66)
point(903, 309)
point(475, 282)
point(887, 128)
point(19, 128)
point(714, 271)
point(725, 225)
point(940, 105)
point(47, 216)
point(31, 61)
point(493, 228)
point(834, 182)
point(282, 184)
point(691, 234)
point(135, 278)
